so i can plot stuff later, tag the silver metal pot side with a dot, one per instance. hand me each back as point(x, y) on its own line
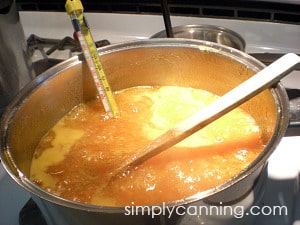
point(212, 33)
point(184, 62)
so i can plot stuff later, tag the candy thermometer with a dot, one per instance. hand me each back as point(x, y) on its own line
point(75, 9)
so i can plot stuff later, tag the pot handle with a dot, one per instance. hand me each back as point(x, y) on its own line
point(294, 96)
point(268, 58)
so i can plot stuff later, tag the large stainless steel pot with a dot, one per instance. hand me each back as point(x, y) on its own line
point(181, 62)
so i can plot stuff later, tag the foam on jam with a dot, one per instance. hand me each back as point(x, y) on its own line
point(76, 157)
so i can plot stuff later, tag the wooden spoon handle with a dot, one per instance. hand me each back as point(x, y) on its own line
point(240, 94)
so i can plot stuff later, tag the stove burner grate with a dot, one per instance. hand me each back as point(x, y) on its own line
point(31, 214)
point(48, 46)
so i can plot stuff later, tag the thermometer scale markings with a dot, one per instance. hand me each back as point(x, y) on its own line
point(75, 10)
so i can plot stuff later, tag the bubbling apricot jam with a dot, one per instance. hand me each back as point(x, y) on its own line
point(76, 157)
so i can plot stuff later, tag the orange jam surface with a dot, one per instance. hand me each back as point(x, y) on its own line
point(76, 157)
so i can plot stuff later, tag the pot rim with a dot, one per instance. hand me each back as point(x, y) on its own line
point(278, 92)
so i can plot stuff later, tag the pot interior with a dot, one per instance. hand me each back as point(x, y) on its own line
point(58, 90)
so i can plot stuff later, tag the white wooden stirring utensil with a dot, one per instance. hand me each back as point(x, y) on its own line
point(240, 94)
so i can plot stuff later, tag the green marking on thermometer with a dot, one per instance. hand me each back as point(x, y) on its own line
point(75, 9)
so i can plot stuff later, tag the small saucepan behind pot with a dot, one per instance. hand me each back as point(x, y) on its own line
point(216, 34)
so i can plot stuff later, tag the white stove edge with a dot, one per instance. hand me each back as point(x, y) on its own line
point(280, 38)
point(284, 162)
point(123, 27)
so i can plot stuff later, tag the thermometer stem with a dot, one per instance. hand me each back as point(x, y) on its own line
point(75, 10)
